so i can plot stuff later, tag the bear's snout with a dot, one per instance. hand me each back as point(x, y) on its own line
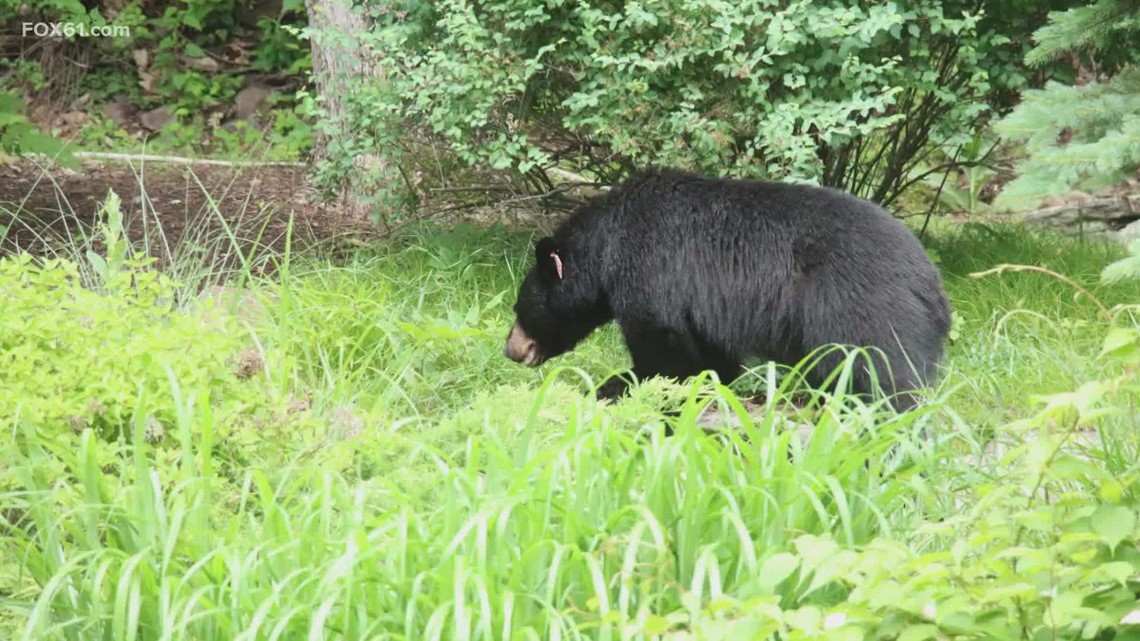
point(521, 348)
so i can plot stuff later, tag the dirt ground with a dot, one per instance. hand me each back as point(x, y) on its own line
point(42, 210)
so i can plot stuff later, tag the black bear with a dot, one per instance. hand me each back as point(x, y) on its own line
point(701, 273)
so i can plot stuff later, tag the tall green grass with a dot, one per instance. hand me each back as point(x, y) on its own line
point(1023, 333)
point(526, 533)
point(446, 493)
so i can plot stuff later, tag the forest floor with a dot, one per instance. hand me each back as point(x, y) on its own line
point(42, 209)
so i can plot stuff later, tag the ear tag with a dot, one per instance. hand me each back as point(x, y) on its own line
point(557, 264)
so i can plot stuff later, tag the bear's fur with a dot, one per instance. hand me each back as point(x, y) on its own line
point(702, 273)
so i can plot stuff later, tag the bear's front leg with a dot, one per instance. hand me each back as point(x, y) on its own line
point(613, 388)
point(655, 352)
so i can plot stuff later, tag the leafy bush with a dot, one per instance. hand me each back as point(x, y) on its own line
point(98, 341)
point(1080, 136)
point(114, 358)
point(18, 136)
point(847, 95)
point(74, 358)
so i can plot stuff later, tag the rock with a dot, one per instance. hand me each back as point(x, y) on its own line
point(1078, 197)
point(71, 120)
point(207, 64)
point(1133, 202)
point(156, 119)
point(714, 419)
point(249, 101)
point(141, 58)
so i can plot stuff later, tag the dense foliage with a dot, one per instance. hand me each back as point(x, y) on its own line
point(866, 97)
point(872, 98)
point(439, 492)
point(130, 339)
point(353, 458)
point(18, 136)
point(190, 58)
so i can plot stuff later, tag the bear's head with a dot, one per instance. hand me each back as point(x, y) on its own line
point(558, 306)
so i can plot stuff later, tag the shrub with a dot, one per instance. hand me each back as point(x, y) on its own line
point(18, 136)
point(849, 96)
point(73, 358)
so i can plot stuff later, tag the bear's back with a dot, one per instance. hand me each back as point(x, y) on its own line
point(688, 212)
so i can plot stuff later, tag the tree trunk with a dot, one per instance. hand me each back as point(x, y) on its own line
point(339, 63)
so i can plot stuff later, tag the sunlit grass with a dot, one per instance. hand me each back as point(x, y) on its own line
point(457, 495)
point(526, 529)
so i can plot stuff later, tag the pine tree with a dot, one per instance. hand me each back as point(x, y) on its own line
point(1084, 136)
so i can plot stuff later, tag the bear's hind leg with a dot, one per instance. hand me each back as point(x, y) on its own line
point(886, 367)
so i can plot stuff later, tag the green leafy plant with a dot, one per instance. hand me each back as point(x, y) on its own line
point(18, 136)
point(175, 48)
point(95, 345)
point(476, 499)
point(960, 189)
point(279, 46)
point(75, 358)
point(110, 229)
point(850, 96)
point(189, 91)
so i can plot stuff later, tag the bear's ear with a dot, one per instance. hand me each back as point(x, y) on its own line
point(548, 258)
